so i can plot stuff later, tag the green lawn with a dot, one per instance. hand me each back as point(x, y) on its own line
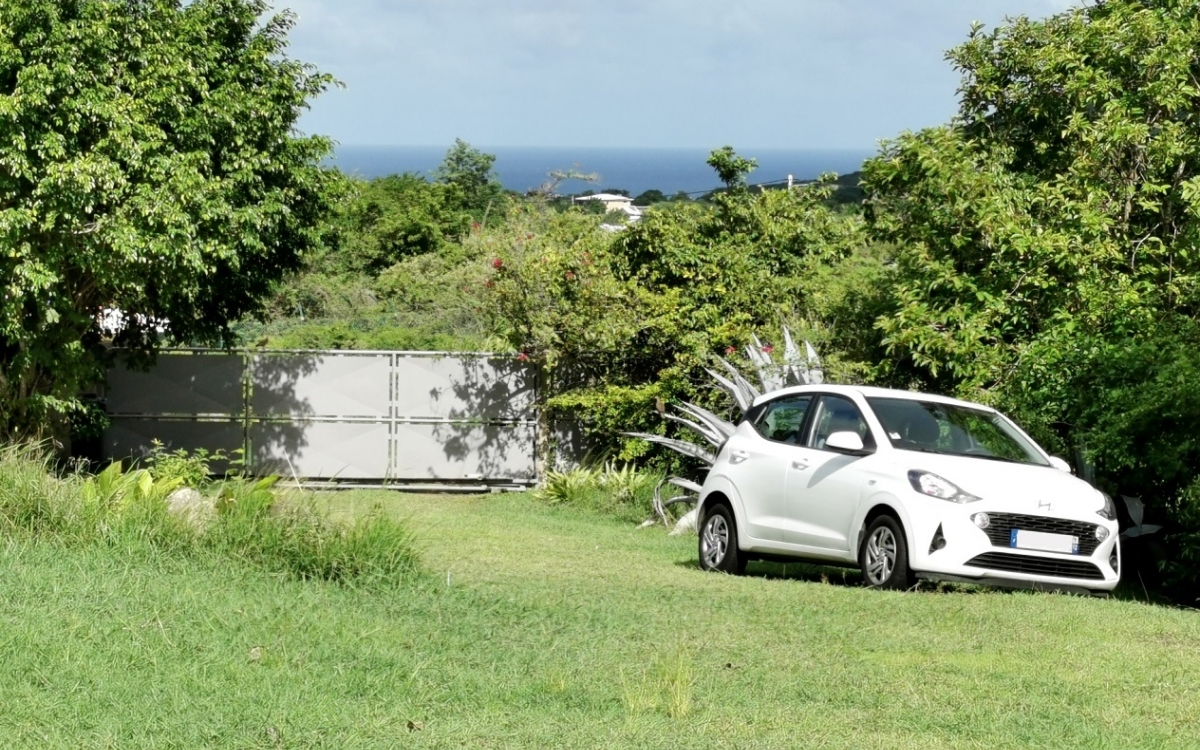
point(543, 627)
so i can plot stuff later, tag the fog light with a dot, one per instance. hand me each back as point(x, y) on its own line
point(939, 541)
point(1101, 533)
point(1114, 560)
point(981, 520)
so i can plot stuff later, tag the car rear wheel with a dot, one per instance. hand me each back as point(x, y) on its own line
point(718, 541)
point(883, 555)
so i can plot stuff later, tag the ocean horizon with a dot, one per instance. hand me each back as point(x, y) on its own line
point(671, 170)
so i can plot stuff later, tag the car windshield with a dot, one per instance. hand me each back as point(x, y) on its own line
point(932, 427)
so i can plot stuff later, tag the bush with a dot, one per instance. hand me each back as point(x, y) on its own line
point(1180, 565)
point(189, 469)
point(625, 492)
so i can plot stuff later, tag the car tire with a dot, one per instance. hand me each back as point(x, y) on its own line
point(718, 541)
point(883, 555)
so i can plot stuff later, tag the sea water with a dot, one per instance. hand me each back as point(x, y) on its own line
point(636, 170)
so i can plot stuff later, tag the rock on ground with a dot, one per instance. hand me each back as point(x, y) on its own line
point(192, 507)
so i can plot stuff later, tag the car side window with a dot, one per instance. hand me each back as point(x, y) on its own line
point(837, 414)
point(781, 420)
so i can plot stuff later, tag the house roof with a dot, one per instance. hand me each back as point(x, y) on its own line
point(603, 197)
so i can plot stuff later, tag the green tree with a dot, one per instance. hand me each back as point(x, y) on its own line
point(151, 166)
point(473, 173)
point(731, 168)
point(1046, 240)
point(393, 217)
point(649, 198)
point(1067, 191)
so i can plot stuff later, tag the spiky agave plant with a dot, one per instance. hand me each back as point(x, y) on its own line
point(797, 368)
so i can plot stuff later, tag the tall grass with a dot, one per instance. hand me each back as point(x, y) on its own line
point(250, 521)
point(297, 539)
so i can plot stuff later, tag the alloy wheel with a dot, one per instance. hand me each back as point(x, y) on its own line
point(715, 540)
point(880, 556)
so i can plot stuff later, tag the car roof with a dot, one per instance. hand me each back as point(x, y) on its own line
point(868, 391)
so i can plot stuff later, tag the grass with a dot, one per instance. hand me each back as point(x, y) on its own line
point(546, 626)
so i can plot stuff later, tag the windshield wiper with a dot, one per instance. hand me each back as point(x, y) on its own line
point(935, 451)
point(992, 458)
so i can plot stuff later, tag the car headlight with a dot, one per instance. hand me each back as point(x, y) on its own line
point(928, 483)
point(1109, 511)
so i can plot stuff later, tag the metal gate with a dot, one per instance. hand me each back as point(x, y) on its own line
point(366, 416)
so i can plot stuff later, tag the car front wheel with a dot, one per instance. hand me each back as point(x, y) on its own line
point(883, 555)
point(718, 541)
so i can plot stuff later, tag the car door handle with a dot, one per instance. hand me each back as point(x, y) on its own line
point(736, 457)
point(801, 465)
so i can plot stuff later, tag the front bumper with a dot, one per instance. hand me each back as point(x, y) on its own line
point(952, 547)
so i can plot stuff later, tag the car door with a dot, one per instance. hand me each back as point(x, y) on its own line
point(823, 487)
point(760, 453)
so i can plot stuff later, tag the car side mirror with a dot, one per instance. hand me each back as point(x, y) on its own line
point(1060, 464)
point(845, 442)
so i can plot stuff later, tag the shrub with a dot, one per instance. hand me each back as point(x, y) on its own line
point(1180, 564)
point(192, 469)
point(624, 492)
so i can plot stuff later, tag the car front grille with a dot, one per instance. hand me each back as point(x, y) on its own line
point(1042, 566)
point(1002, 524)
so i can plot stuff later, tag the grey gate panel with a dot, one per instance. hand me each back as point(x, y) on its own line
point(132, 438)
point(326, 450)
point(445, 450)
point(188, 384)
point(345, 385)
point(460, 388)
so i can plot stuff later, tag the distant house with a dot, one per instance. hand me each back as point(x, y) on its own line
point(614, 202)
point(611, 201)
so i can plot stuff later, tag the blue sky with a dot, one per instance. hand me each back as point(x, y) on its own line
point(627, 73)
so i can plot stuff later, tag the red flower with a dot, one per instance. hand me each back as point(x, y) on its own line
point(497, 263)
point(729, 350)
point(522, 357)
point(768, 349)
point(474, 225)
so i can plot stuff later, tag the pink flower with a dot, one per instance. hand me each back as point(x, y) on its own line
point(475, 225)
point(768, 349)
point(497, 263)
point(522, 357)
point(729, 350)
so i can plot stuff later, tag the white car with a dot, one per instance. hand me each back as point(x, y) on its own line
point(903, 484)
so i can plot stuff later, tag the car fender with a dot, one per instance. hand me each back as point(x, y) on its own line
point(875, 501)
point(721, 485)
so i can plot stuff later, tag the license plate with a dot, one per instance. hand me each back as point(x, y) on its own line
point(1040, 540)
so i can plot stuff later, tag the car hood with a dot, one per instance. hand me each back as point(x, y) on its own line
point(1017, 488)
